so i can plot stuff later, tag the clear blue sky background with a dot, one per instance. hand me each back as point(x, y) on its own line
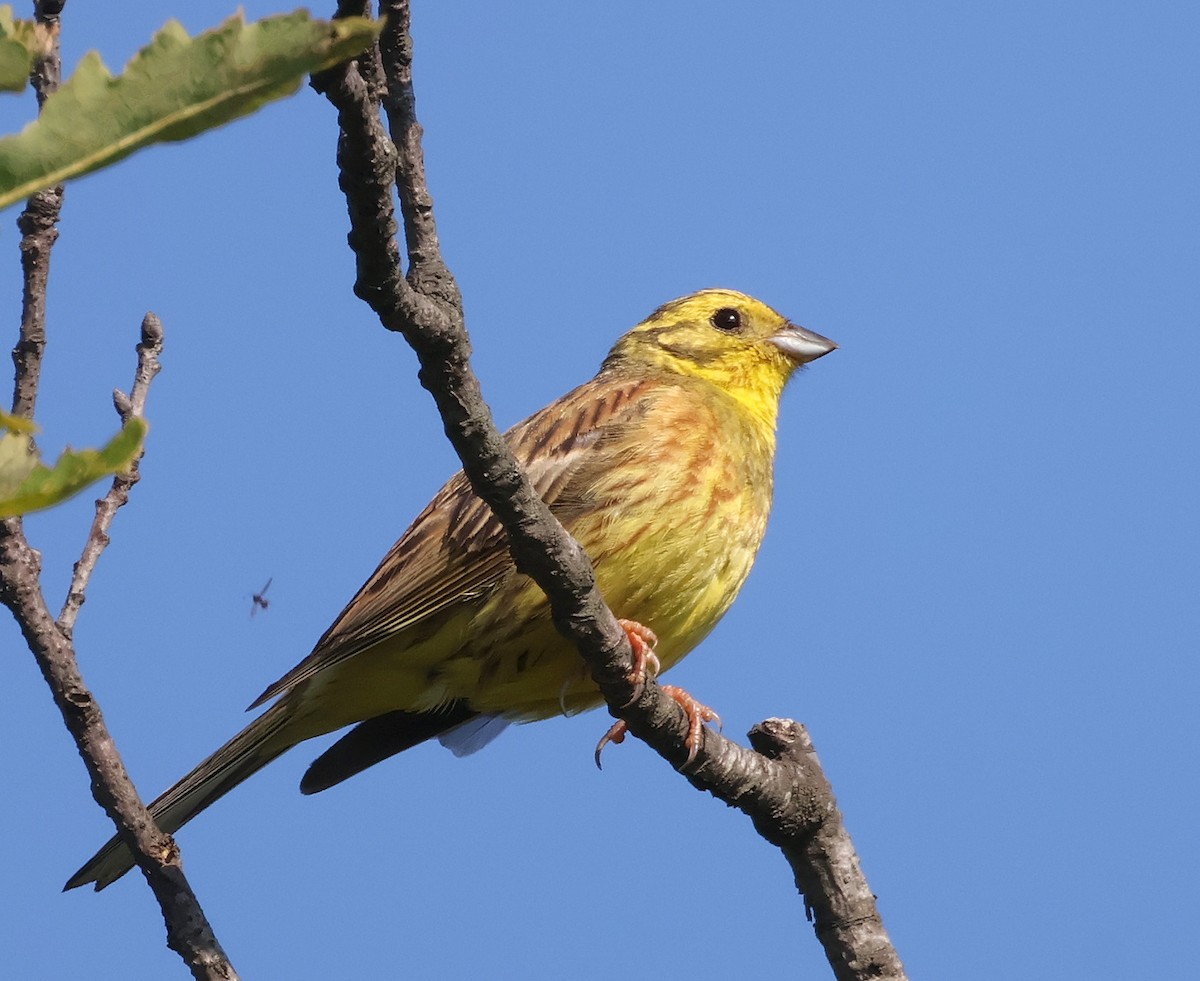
point(981, 581)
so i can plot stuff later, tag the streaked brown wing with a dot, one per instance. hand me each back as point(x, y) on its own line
point(456, 550)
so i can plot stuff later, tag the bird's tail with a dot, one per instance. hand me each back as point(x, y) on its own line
point(268, 736)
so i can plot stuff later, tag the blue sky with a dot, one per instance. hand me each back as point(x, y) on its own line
point(980, 586)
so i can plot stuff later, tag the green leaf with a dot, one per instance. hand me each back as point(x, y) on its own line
point(20, 40)
point(17, 424)
point(173, 89)
point(17, 459)
point(27, 485)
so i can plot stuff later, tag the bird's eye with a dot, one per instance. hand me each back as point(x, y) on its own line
point(726, 319)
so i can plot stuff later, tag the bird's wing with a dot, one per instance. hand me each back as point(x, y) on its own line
point(456, 550)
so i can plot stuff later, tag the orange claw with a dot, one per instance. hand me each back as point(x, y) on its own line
point(698, 713)
point(642, 640)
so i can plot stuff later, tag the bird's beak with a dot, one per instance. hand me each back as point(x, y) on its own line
point(801, 345)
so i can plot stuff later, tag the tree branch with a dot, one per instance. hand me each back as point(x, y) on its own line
point(780, 787)
point(38, 226)
point(127, 406)
point(814, 840)
point(188, 932)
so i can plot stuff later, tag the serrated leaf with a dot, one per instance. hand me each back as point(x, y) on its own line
point(29, 485)
point(174, 88)
point(20, 40)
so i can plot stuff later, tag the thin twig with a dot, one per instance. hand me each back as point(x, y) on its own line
point(38, 226)
point(789, 801)
point(127, 406)
point(427, 271)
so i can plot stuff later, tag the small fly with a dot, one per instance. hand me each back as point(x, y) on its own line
point(259, 599)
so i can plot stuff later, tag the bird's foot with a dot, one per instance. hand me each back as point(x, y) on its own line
point(642, 641)
point(697, 713)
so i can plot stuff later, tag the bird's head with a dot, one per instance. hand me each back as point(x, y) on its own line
point(726, 338)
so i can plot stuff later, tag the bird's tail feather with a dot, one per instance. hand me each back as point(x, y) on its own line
point(376, 739)
point(268, 736)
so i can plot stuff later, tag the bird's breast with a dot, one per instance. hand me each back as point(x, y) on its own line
point(671, 506)
point(675, 528)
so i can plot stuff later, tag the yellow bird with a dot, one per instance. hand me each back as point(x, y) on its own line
point(661, 466)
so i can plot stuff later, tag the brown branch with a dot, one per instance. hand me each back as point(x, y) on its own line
point(127, 406)
point(38, 226)
point(427, 271)
point(813, 838)
point(188, 932)
point(781, 786)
